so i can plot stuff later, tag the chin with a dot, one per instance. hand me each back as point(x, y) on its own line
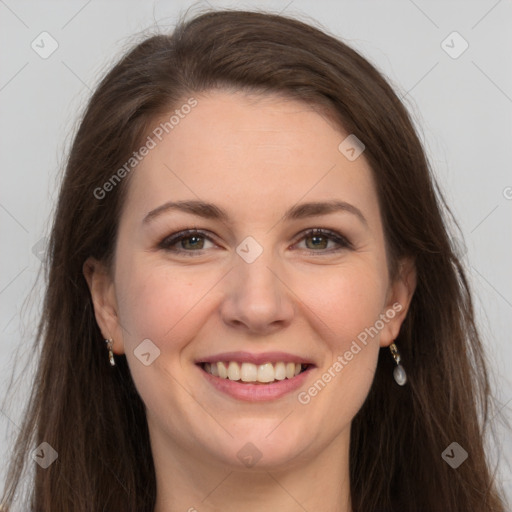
point(262, 449)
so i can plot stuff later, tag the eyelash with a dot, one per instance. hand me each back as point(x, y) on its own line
point(171, 240)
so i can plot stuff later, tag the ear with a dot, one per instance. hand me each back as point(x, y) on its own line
point(101, 287)
point(398, 300)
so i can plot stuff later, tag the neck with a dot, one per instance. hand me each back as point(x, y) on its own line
point(187, 483)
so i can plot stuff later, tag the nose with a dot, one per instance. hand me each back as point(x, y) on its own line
point(257, 298)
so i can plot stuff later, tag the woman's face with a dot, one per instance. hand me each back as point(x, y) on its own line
point(252, 286)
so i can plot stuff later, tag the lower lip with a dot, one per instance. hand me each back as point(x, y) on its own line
point(256, 392)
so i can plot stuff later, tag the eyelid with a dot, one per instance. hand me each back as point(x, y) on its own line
point(330, 234)
point(342, 241)
point(173, 239)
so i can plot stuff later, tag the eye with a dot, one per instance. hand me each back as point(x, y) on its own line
point(193, 241)
point(190, 240)
point(320, 239)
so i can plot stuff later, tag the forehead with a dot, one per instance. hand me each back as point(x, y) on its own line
point(248, 151)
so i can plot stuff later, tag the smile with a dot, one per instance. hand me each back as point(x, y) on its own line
point(249, 372)
point(254, 377)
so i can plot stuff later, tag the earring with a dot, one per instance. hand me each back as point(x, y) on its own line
point(399, 372)
point(110, 344)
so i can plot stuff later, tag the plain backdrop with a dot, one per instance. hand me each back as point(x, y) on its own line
point(458, 87)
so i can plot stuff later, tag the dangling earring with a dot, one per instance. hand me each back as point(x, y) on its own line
point(110, 344)
point(399, 372)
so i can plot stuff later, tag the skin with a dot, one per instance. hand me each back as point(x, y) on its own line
point(255, 157)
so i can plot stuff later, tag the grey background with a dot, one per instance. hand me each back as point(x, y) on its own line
point(462, 107)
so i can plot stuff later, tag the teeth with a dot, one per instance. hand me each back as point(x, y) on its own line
point(233, 371)
point(249, 372)
point(266, 372)
point(280, 371)
point(223, 371)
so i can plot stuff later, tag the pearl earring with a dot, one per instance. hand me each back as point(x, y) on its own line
point(399, 372)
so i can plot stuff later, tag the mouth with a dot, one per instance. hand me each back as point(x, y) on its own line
point(250, 373)
point(255, 377)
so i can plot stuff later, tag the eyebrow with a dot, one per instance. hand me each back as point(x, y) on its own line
point(296, 212)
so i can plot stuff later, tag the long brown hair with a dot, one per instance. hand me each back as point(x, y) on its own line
point(93, 416)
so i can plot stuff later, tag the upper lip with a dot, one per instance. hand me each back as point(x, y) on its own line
point(248, 357)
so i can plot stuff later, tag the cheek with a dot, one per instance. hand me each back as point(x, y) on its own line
point(163, 305)
point(347, 299)
point(157, 303)
point(348, 305)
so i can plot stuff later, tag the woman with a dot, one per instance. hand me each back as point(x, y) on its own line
point(249, 222)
